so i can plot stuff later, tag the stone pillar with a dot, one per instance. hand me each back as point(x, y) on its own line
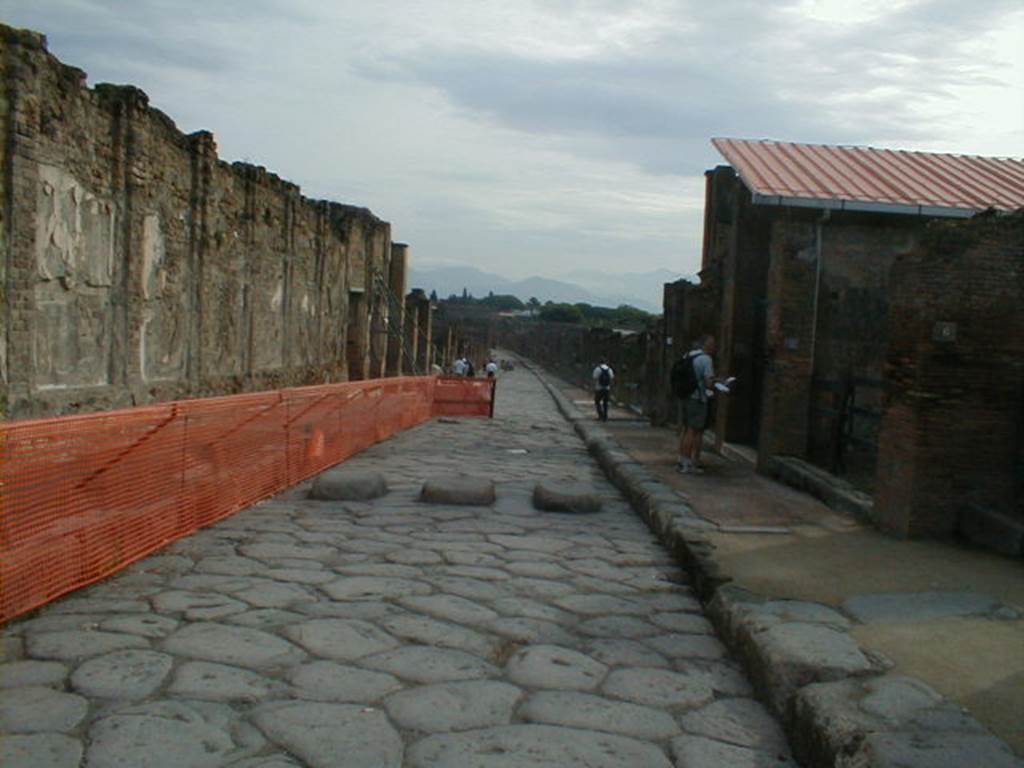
point(424, 321)
point(412, 332)
point(792, 270)
point(397, 276)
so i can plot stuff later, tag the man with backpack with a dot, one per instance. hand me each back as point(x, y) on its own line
point(692, 379)
point(603, 378)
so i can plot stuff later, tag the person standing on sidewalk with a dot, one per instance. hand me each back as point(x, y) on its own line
point(603, 378)
point(696, 403)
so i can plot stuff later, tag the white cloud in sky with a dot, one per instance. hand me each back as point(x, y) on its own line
point(542, 136)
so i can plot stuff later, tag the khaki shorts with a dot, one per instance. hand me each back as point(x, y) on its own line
point(695, 414)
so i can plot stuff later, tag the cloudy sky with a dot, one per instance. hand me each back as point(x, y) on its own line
point(541, 136)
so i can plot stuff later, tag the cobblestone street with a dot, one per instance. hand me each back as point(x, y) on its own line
point(394, 632)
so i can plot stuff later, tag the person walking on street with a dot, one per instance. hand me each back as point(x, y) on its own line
point(694, 384)
point(491, 368)
point(603, 378)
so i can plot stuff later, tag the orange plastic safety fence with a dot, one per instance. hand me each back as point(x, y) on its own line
point(83, 496)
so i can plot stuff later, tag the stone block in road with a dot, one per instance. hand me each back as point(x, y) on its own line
point(344, 484)
point(127, 675)
point(40, 750)
point(239, 646)
point(170, 734)
point(931, 750)
point(561, 497)
point(585, 710)
point(332, 735)
point(527, 746)
point(701, 752)
point(743, 722)
point(459, 490)
point(36, 708)
point(455, 706)
point(550, 666)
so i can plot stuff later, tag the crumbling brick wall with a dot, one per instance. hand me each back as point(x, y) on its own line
point(139, 267)
point(950, 444)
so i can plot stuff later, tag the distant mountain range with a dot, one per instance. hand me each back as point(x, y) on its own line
point(642, 290)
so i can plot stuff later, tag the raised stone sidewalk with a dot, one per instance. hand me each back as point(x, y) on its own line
point(395, 632)
point(840, 705)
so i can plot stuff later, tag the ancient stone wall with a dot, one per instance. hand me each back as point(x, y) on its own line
point(140, 267)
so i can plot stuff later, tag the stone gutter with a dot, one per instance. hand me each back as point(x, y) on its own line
point(839, 705)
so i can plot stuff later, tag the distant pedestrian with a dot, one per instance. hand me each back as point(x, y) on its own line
point(491, 368)
point(459, 366)
point(470, 370)
point(603, 377)
point(693, 380)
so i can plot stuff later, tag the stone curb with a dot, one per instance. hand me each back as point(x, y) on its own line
point(835, 701)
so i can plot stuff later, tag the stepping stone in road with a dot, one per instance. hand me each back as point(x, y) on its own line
point(551, 497)
point(343, 484)
point(462, 490)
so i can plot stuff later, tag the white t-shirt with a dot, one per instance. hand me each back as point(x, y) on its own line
point(597, 376)
point(459, 367)
point(491, 367)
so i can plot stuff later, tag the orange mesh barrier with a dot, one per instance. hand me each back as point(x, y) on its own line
point(83, 496)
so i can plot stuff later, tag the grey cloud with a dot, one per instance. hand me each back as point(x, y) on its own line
point(806, 82)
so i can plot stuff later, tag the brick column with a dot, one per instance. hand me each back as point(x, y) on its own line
point(792, 268)
point(412, 329)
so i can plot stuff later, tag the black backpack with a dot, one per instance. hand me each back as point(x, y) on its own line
point(684, 376)
point(604, 377)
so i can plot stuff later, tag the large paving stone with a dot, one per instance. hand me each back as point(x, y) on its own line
point(460, 490)
point(208, 681)
point(239, 646)
point(791, 655)
point(18, 674)
point(658, 688)
point(601, 605)
point(197, 606)
point(333, 735)
point(578, 498)
point(346, 484)
point(328, 681)
point(275, 595)
point(40, 750)
point(450, 607)
point(453, 706)
point(931, 750)
point(129, 674)
point(743, 722)
point(533, 746)
point(549, 544)
point(36, 709)
point(700, 752)
point(145, 625)
point(79, 644)
point(551, 666)
point(374, 588)
point(616, 626)
point(97, 605)
point(533, 609)
point(427, 631)
point(341, 639)
point(683, 622)
point(168, 734)
point(918, 606)
point(531, 631)
point(619, 652)
point(684, 646)
point(265, 618)
point(584, 710)
point(425, 664)
point(274, 550)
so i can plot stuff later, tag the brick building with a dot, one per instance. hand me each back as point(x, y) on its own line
point(875, 327)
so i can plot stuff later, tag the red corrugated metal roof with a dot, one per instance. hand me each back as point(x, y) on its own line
point(868, 179)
